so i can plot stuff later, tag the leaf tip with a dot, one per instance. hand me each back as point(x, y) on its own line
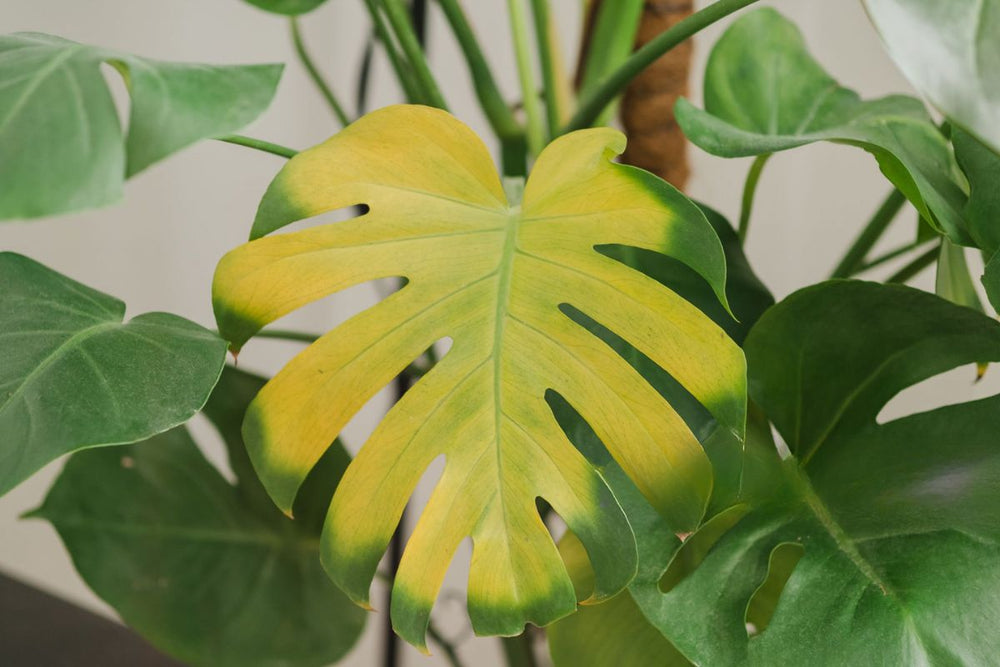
point(37, 513)
point(981, 369)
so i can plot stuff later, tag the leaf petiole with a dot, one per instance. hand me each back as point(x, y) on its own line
point(916, 266)
point(888, 256)
point(404, 73)
point(500, 116)
point(532, 110)
point(314, 73)
point(749, 191)
point(547, 60)
point(286, 334)
point(260, 145)
point(601, 96)
point(869, 236)
point(402, 26)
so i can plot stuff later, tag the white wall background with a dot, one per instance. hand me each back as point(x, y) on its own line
point(158, 248)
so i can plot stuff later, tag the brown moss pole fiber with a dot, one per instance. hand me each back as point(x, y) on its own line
point(655, 141)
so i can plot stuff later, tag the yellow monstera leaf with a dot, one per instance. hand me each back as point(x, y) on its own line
point(495, 276)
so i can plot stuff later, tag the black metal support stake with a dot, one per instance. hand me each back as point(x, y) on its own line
point(418, 14)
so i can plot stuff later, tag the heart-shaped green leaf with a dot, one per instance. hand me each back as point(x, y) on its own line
point(765, 93)
point(494, 276)
point(210, 573)
point(61, 146)
point(73, 375)
point(287, 7)
point(900, 522)
point(951, 52)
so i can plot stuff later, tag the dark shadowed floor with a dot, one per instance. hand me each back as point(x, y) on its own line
point(40, 630)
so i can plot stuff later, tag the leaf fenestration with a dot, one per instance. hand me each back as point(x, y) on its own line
point(492, 275)
point(898, 521)
point(620, 630)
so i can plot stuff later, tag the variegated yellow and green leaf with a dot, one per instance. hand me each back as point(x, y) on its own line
point(500, 278)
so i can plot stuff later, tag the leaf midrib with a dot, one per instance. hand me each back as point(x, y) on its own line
point(44, 73)
point(505, 271)
point(848, 546)
point(62, 350)
point(845, 543)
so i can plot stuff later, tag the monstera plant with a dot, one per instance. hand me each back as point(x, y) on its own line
point(653, 461)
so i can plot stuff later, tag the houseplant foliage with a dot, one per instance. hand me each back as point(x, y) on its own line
point(492, 274)
point(76, 159)
point(577, 339)
point(764, 93)
point(288, 7)
point(64, 384)
point(885, 513)
point(261, 594)
point(947, 50)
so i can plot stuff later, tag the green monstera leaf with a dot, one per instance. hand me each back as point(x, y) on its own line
point(501, 279)
point(61, 145)
point(74, 375)
point(765, 93)
point(951, 52)
point(287, 7)
point(209, 572)
point(897, 524)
